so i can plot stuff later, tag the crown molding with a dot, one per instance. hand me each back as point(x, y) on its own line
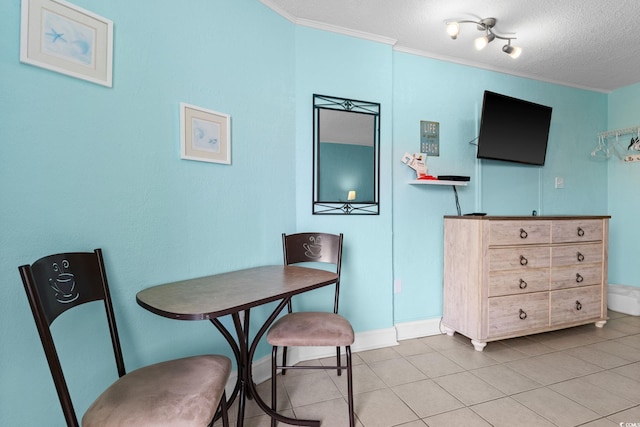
point(329, 27)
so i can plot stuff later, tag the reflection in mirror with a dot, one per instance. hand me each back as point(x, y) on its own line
point(346, 156)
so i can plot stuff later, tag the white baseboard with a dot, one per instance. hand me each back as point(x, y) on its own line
point(418, 329)
point(364, 341)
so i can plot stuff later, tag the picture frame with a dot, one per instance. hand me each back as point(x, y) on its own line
point(205, 135)
point(62, 37)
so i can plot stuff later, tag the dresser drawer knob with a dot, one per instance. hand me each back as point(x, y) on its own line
point(578, 306)
point(580, 257)
point(523, 234)
point(523, 260)
point(579, 278)
point(522, 314)
point(580, 232)
point(523, 284)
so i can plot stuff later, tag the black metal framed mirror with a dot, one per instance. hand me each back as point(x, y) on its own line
point(346, 156)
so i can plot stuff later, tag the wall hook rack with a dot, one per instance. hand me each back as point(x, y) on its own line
point(605, 147)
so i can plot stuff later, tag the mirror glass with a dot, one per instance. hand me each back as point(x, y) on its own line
point(346, 160)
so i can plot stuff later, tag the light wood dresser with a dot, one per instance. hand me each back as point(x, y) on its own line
point(508, 276)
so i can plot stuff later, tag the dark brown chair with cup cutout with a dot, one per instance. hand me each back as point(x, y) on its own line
point(182, 392)
point(313, 329)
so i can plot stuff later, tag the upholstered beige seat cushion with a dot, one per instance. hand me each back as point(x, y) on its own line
point(182, 392)
point(311, 329)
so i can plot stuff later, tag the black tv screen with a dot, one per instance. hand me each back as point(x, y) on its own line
point(513, 130)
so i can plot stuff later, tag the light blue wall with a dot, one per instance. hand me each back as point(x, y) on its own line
point(451, 94)
point(84, 166)
point(336, 65)
point(624, 197)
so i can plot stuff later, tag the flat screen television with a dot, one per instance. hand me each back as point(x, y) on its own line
point(513, 130)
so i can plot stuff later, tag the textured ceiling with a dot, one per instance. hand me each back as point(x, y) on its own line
point(591, 44)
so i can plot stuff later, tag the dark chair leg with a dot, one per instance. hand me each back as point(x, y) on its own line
point(224, 414)
point(274, 398)
point(223, 408)
point(284, 360)
point(338, 361)
point(352, 420)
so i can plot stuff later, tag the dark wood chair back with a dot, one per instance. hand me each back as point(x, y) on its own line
point(315, 247)
point(57, 283)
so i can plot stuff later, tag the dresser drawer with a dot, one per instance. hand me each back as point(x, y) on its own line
point(519, 232)
point(514, 282)
point(587, 230)
point(519, 258)
point(580, 275)
point(517, 313)
point(576, 255)
point(575, 305)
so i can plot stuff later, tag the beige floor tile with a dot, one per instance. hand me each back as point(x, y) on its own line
point(468, 357)
point(553, 367)
point(264, 390)
point(426, 398)
point(591, 396)
point(507, 412)
point(597, 357)
point(565, 339)
point(602, 422)
point(382, 408)
point(571, 365)
point(378, 354)
point(434, 364)
point(630, 416)
point(417, 423)
point(630, 371)
point(631, 340)
point(307, 389)
point(444, 342)
point(501, 352)
point(583, 376)
point(265, 420)
point(396, 371)
point(468, 388)
point(607, 333)
point(527, 346)
point(538, 371)
point(460, 417)
point(616, 384)
point(506, 379)
point(618, 349)
point(364, 379)
point(614, 314)
point(626, 325)
point(412, 347)
point(330, 361)
point(555, 407)
point(331, 412)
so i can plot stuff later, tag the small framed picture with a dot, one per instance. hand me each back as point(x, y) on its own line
point(65, 38)
point(205, 135)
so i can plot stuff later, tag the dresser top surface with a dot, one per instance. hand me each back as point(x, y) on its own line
point(526, 218)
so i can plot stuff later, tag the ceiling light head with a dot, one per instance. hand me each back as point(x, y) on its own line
point(453, 29)
point(481, 42)
point(512, 51)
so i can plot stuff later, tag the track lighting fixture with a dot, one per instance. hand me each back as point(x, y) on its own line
point(485, 25)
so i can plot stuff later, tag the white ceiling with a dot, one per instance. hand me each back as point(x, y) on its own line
point(590, 44)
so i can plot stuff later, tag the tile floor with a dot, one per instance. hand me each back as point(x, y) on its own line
point(583, 376)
